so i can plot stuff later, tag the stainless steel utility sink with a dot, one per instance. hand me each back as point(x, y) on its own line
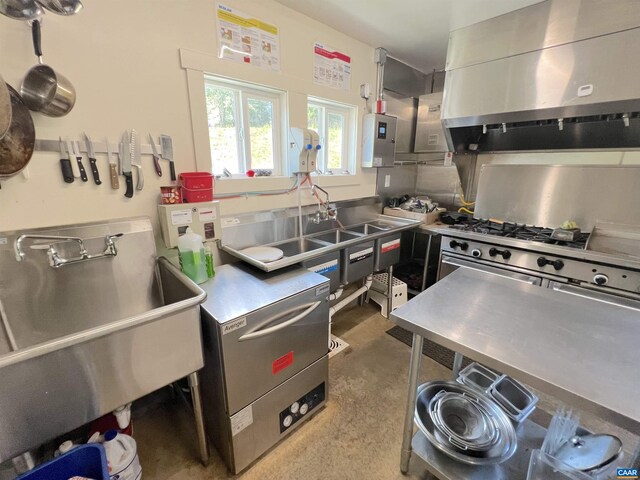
point(336, 236)
point(80, 340)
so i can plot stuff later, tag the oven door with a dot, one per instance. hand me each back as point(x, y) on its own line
point(449, 264)
point(623, 300)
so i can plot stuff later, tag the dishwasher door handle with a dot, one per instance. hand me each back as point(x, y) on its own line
point(266, 331)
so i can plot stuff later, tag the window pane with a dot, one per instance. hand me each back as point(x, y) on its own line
point(223, 135)
point(261, 132)
point(334, 144)
point(314, 115)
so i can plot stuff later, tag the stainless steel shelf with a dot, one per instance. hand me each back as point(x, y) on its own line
point(530, 437)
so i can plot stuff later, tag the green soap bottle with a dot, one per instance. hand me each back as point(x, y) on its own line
point(208, 256)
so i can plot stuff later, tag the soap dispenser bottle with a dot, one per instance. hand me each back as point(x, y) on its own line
point(192, 256)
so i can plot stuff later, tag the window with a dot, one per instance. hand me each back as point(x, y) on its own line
point(245, 124)
point(334, 123)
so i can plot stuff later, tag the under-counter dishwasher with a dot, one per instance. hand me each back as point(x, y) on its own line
point(266, 357)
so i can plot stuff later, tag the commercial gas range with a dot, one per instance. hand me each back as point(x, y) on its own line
point(596, 263)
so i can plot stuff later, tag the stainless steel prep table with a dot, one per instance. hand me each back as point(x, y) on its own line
point(536, 335)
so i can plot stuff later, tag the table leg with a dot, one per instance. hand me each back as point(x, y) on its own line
point(457, 364)
point(426, 264)
point(414, 372)
point(389, 290)
point(194, 385)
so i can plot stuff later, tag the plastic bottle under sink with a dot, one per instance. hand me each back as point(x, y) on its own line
point(122, 456)
point(192, 256)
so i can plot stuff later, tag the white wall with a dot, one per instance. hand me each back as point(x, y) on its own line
point(123, 58)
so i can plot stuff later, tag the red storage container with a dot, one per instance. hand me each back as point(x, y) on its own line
point(196, 187)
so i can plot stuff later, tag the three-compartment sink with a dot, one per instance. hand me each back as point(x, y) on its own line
point(380, 234)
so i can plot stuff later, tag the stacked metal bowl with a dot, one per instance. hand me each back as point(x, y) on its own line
point(464, 424)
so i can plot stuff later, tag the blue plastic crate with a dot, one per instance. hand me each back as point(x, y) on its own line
point(87, 461)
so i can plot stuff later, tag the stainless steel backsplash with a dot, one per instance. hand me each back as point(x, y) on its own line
point(547, 195)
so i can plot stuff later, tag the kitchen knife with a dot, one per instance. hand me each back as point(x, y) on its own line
point(113, 167)
point(72, 151)
point(65, 164)
point(156, 156)
point(91, 155)
point(135, 158)
point(166, 144)
point(125, 160)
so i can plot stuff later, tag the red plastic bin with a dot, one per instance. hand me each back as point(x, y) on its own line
point(196, 187)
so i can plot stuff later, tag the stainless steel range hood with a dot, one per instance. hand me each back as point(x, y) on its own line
point(560, 74)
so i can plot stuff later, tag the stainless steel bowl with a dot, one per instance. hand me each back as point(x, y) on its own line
point(501, 451)
point(461, 418)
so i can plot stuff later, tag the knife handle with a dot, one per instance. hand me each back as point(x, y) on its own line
point(113, 172)
point(94, 171)
point(173, 171)
point(128, 178)
point(83, 172)
point(156, 165)
point(67, 171)
point(140, 182)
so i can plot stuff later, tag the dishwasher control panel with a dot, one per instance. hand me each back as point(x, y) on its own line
point(301, 407)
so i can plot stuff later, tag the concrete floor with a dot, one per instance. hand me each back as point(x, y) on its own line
point(356, 436)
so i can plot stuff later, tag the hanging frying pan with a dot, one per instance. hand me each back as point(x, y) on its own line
point(16, 146)
point(5, 108)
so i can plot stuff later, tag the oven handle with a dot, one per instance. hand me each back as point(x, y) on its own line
point(593, 294)
point(266, 331)
point(530, 279)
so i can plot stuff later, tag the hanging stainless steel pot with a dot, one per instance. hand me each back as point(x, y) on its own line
point(20, 9)
point(16, 146)
point(61, 7)
point(43, 89)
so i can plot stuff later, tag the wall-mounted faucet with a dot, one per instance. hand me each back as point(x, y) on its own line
point(325, 210)
point(55, 260)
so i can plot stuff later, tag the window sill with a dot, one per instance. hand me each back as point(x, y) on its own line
point(240, 184)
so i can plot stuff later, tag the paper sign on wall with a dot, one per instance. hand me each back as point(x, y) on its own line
point(242, 38)
point(331, 68)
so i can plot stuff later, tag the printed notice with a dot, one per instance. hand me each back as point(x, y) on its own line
point(181, 217)
point(331, 68)
point(241, 420)
point(242, 38)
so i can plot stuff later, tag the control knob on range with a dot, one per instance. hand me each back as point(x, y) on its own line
point(304, 408)
point(600, 279)
point(506, 254)
point(288, 420)
point(476, 252)
point(295, 406)
point(463, 245)
point(557, 264)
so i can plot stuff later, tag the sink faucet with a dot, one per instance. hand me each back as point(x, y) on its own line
point(17, 246)
point(54, 257)
point(325, 210)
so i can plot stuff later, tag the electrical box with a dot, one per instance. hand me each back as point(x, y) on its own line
point(202, 217)
point(378, 140)
point(304, 145)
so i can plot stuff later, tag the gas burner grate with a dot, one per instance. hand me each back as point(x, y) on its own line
point(520, 232)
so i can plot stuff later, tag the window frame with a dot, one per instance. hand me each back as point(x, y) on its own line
point(348, 113)
point(243, 92)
